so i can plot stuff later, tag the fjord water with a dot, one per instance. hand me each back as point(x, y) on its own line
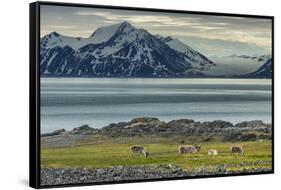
point(72, 102)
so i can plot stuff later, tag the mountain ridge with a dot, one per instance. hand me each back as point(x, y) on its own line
point(124, 51)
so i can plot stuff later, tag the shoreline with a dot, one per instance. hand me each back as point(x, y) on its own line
point(152, 126)
point(153, 130)
point(110, 123)
point(233, 124)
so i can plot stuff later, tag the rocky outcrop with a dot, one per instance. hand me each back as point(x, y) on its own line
point(240, 137)
point(146, 126)
point(83, 130)
point(56, 132)
point(256, 125)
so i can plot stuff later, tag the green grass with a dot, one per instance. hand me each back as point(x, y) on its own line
point(257, 154)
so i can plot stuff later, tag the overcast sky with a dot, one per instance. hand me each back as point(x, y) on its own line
point(211, 35)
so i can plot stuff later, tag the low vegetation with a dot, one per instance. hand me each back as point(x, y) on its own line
point(112, 153)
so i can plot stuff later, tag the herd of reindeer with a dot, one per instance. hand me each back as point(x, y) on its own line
point(187, 149)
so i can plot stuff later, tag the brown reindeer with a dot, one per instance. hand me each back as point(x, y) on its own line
point(237, 149)
point(138, 149)
point(188, 149)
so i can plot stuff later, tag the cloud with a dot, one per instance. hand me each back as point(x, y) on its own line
point(216, 47)
point(75, 21)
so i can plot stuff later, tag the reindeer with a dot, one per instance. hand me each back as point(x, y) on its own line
point(212, 152)
point(237, 149)
point(138, 149)
point(188, 149)
point(198, 147)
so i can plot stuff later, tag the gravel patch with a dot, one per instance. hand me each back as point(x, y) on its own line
point(50, 176)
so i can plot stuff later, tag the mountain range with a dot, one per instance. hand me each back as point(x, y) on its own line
point(120, 50)
point(261, 58)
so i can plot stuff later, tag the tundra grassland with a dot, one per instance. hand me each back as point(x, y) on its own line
point(108, 153)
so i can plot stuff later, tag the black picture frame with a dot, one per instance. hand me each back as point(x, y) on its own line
point(34, 90)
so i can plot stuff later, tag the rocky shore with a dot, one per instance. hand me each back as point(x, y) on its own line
point(149, 126)
point(51, 176)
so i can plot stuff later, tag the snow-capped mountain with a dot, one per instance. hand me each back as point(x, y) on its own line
point(236, 65)
point(265, 71)
point(261, 58)
point(119, 50)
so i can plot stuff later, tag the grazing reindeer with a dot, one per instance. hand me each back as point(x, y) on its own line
point(198, 147)
point(138, 149)
point(237, 149)
point(212, 152)
point(188, 149)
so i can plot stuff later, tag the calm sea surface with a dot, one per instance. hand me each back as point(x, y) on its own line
point(72, 102)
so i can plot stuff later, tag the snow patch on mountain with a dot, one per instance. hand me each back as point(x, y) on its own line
point(196, 59)
point(103, 34)
point(55, 39)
